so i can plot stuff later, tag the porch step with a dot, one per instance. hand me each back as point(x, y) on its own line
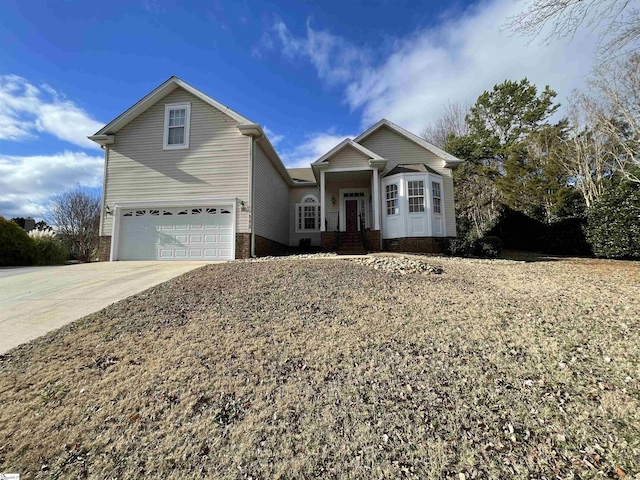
point(352, 251)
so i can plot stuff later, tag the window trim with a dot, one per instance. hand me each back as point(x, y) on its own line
point(439, 197)
point(307, 201)
point(187, 125)
point(396, 198)
point(410, 196)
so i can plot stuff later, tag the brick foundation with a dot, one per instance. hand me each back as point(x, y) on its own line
point(265, 247)
point(373, 239)
point(243, 245)
point(413, 244)
point(328, 241)
point(104, 248)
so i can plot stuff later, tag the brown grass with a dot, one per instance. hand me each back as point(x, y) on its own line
point(330, 369)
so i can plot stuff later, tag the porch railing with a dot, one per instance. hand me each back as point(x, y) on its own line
point(332, 221)
point(363, 233)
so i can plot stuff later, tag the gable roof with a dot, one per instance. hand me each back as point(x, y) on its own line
point(302, 174)
point(347, 142)
point(411, 168)
point(450, 160)
point(156, 95)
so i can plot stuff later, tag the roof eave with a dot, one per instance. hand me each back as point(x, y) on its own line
point(103, 140)
point(156, 95)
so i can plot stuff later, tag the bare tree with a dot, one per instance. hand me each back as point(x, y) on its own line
point(76, 217)
point(619, 84)
point(477, 198)
point(588, 156)
point(562, 18)
point(452, 122)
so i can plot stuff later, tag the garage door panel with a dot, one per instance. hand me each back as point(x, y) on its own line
point(177, 234)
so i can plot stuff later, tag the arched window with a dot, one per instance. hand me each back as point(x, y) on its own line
point(308, 214)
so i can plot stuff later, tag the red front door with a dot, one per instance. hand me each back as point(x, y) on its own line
point(351, 207)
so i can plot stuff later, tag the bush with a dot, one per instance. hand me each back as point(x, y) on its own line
point(487, 247)
point(49, 249)
point(613, 222)
point(16, 248)
point(566, 237)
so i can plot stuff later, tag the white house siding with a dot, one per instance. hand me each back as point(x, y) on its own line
point(397, 149)
point(216, 164)
point(295, 196)
point(271, 199)
point(349, 157)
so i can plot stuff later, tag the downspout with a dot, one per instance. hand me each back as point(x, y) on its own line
point(252, 193)
point(252, 242)
point(104, 188)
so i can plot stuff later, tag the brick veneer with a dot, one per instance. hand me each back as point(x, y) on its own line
point(413, 244)
point(328, 241)
point(265, 247)
point(243, 245)
point(373, 240)
point(104, 248)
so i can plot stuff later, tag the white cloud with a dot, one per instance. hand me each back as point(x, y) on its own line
point(335, 59)
point(26, 110)
point(27, 183)
point(314, 146)
point(273, 138)
point(459, 58)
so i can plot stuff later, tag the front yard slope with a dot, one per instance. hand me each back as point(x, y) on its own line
point(332, 369)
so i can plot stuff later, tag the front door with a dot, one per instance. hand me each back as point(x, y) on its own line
point(351, 207)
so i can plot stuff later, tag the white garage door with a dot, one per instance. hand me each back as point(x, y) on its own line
point(193, 233)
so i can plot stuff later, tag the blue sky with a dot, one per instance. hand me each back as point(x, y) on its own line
point(312, 73)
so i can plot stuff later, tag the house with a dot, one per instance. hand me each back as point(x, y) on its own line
point(187, 178)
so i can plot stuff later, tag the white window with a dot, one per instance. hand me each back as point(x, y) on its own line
point(308, 215)
point(437, 198)
point(176, 126)
point(416, 195)
point(392, 199)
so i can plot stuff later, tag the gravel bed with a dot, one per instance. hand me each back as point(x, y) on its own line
point(398, 264)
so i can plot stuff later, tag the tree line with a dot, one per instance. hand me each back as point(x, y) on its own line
point(569, 185)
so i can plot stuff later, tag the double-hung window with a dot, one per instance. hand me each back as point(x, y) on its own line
point(176, 126)
point(415, 190)
point(437, 197)
point(308, 215)
point(392, 199)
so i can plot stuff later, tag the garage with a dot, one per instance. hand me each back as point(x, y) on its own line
point(201, 232)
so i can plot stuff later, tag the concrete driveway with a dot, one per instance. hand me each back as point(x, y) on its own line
point(36, 300)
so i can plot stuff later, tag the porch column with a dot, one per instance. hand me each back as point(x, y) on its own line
point(376, 199)
point(323, 211)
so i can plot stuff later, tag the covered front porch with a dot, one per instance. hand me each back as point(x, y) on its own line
point(349, 182)
point(351, 206)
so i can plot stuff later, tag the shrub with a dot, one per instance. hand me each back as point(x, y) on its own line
point(566, 237)
point(488, 247)
point(613, 222)
point(49, 249)
point(16, 248)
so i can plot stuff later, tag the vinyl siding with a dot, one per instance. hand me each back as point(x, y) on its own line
point(216, 164)
point(271, 199)
point(295, 196)
point(398, 150)
point(349, 157)
point(333, 187)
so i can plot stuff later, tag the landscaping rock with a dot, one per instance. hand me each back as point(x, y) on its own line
point(399, 265)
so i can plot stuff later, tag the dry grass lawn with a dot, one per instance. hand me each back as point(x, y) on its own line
point(331, 369)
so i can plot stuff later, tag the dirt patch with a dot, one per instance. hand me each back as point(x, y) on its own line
point(332, 369)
